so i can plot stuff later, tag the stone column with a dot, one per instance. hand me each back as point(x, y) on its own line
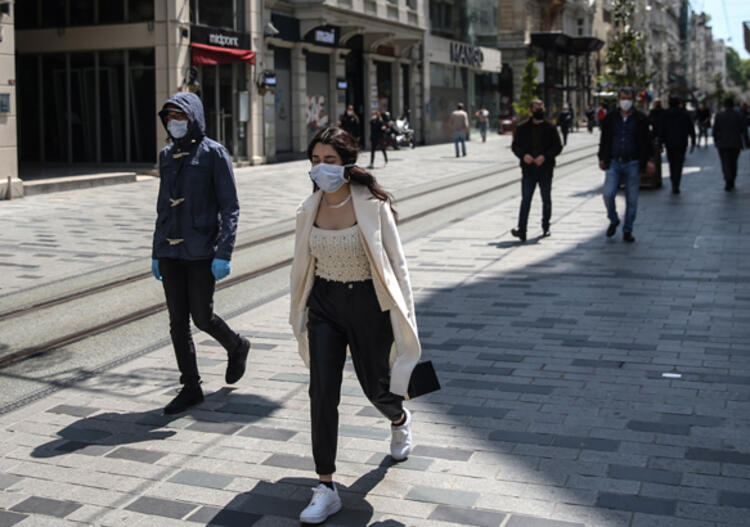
point(10, 186)
point(172, 54)
point(397, 90)
point(337, 69)
point(299, 99)
point(256, 143)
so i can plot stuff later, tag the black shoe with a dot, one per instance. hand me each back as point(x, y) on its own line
point(628, 237)
point(612, 229)
point(675, 191)
point(236, 362)
point(518, 234)
point(458, 155)
point(546, 233)
point(190, 395)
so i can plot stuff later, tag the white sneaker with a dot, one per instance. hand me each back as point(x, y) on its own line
point(324, 503)
point(401, 439)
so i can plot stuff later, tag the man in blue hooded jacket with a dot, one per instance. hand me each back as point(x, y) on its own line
point(196, 225)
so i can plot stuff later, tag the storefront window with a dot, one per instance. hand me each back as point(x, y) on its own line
point(81, 12)
point(470, 21)
point(317, 115)
point(142, 88)
point(27, 14)
point(385, 86)
point(82, 111)
point(112, 105)
point(217, 13)
point(55, 101)
point(111, 12)
point(53, 13)
point(448, 87)
point(29, 109)
point(59, 120)
point(140, 10)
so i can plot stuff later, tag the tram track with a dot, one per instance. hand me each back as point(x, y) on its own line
point(253, 258)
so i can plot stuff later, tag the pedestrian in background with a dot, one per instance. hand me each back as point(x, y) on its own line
point(655, 119)
point(675, 128)
point(483, 116)
point(536, 143)
point(565, 121)
point(624, 151)
point(377, 137)
point(350, 287)
point(459, 123)
point(703, 118)
point(730, 136)
point(350, 122)
point(197, 212)
point(590, 116)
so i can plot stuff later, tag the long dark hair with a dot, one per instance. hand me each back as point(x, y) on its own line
point(346, 147)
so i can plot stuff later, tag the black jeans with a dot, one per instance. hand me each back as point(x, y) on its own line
point(532, 176)
point(729, 163)
point(676, 158)
point(341, 314)
point(189, 288)
point(376, 145)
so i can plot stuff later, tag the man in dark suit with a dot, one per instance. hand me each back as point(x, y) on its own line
point(676, 126)
point(730, 136)
point(536, 143)
point(624, 151)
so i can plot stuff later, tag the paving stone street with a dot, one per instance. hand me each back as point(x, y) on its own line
point(585, 382)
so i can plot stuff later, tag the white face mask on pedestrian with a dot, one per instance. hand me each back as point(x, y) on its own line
point(626, 105)
point(329, 178)
point(177, 129)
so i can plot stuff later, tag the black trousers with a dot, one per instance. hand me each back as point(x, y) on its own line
point(189, 289)
point(729, 163)
point(533, 176)
point(341, 314)
point(676, 158)
point(375, 145)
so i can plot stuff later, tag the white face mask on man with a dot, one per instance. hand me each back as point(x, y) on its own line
point(626, 105)
point(177, 129)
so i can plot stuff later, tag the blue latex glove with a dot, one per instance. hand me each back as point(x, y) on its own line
point(155, 269)
point(220, 268)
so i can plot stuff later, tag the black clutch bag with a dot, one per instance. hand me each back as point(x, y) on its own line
point(423, 380)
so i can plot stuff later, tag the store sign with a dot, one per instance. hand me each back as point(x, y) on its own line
point(219, 37)
point(342, 84)
point(325, 37)
point(223, 40)
point(465, 54)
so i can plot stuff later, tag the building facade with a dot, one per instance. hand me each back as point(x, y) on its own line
point(559, 34)
point(93, 74)
point(10, 185)
point(461, 64)
point(323, 55)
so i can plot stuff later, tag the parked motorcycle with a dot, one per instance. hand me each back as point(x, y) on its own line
point(403, 135)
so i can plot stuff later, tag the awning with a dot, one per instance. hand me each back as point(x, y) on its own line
point(205, 55)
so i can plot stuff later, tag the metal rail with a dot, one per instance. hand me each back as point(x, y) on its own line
point(229, 282)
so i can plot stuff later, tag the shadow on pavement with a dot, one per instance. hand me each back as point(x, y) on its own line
point(97, 434)
point(287, 498)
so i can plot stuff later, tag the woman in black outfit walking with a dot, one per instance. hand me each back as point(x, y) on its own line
point(377, 126)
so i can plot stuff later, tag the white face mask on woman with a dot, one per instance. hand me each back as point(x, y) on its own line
point(626, 105)
point(329, 178)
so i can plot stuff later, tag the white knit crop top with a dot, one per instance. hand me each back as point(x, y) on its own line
point(339, 254)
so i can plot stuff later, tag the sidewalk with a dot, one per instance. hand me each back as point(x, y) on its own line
point(53, 236)
point(555, 410)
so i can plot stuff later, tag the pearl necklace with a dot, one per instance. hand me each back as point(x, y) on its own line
point(337, 205)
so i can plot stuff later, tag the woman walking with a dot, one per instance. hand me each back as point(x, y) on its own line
point(377, 137)
point(350, 287)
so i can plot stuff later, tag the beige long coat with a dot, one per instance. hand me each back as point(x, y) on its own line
point(390, 278)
